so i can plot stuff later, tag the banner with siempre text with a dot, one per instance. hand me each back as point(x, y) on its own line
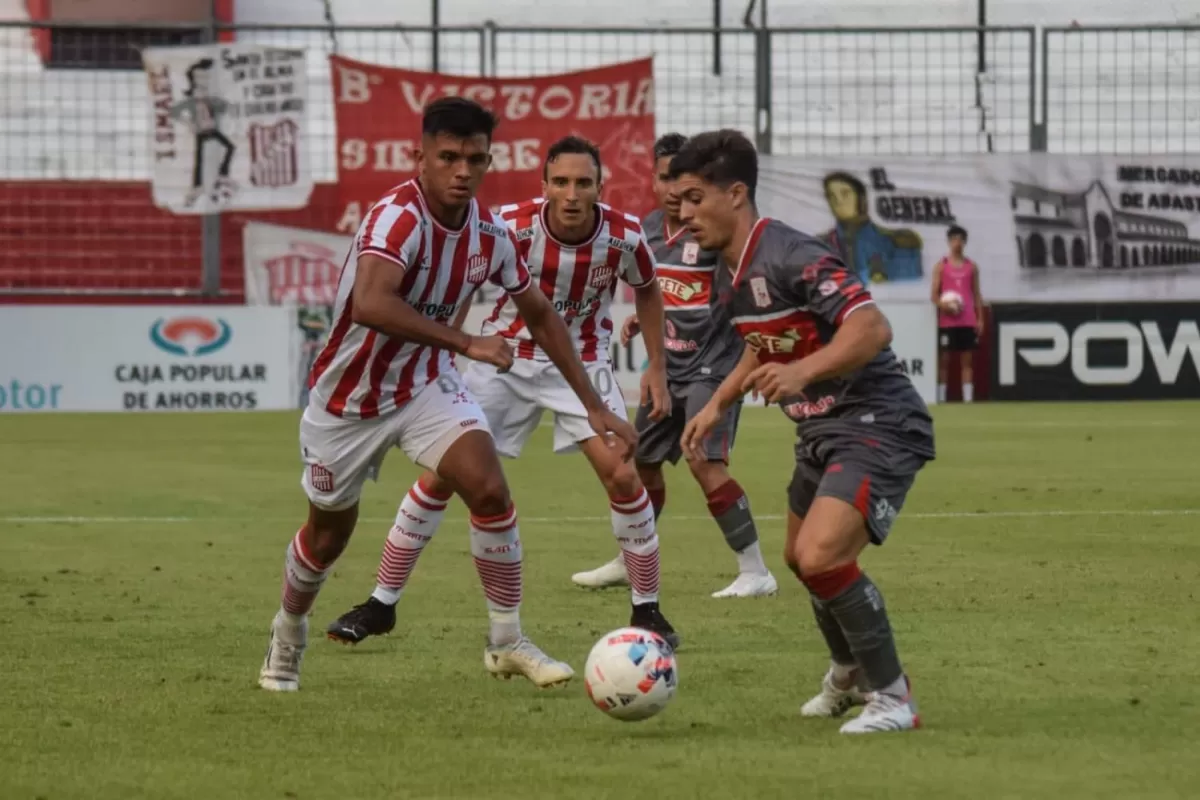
point(378, 111)
point(147, 358)
point(1042, 227)
point(227, 128)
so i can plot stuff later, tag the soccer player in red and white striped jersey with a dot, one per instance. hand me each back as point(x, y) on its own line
point(577, 249)
point(385, 379)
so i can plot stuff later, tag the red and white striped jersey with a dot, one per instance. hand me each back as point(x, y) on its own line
point(580, 279)
point(361, 373)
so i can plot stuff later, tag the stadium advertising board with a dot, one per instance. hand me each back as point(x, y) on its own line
point(378, 109)
point(227, 126)
point(1043, 227)
point(146, 358)
point(1090, 351)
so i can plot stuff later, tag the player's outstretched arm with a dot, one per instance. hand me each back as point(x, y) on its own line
point(648, 301)
point(377, 304)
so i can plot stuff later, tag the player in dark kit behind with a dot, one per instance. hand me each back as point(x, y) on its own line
point(701, 348)
point(819, 347)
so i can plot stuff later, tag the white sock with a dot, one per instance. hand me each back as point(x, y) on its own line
point(633, 525)
point(496, 546)
point(897, 688)
point(843, 674)
point(968, 392)
point(750, 561)
point(417, 521)
point(941, 392)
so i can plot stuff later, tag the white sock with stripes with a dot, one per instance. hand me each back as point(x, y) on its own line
point(417, 521)
point(496, 546)
point(633, 525)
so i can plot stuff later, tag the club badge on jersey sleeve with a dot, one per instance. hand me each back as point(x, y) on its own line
point(691, 253)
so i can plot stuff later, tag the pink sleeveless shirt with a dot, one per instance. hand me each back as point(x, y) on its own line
point(958, 278)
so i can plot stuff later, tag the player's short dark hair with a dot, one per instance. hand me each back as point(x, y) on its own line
point(457, 117)
point(572, 145)
point(956, 230)
point(668, 145)
point(721, 157)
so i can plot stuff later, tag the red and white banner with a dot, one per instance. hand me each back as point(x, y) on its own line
point(378, 111)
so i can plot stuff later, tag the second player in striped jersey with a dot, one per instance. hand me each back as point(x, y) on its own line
point(385, 380)
point(577, 250)
point(702, 347)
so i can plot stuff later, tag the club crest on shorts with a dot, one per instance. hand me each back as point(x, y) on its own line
point(691, 253)
point(758, 288)
point(601, 276)
point(320, 478)
point(477, 268)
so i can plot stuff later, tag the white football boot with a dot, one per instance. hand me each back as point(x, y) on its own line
point(750, 584)
point(523, 657)
point(611, 574)
point(886, 712)
point(832, 701)
point(281, 668)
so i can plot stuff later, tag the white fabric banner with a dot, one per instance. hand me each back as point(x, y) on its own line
point(1042, 227)
point(147, 358)
point(227, 127)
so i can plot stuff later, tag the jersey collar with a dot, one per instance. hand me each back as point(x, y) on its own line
point(748, 251)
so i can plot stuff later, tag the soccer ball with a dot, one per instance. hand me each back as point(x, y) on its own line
point(954, 300)
point(631, 674)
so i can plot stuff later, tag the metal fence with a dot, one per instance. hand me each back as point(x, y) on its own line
point(75, 214)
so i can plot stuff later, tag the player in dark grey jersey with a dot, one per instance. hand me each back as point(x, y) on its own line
point(819, 347)
point(702, 348)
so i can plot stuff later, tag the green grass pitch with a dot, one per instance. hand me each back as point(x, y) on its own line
point(1043, 581)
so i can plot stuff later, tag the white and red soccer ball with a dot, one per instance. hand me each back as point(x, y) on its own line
point(631, 674)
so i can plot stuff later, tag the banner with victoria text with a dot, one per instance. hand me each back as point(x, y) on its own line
point(1042, 227)
point(378, 111)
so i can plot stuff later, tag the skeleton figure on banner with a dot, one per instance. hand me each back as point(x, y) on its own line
point(203, 110)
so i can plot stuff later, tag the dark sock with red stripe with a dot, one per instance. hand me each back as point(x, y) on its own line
point(658, 499)
point(856, 604)
point(731, 509)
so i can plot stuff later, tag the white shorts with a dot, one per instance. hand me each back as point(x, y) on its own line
point(513, 402)
point(340, 454)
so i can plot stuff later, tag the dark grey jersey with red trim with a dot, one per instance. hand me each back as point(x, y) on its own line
point(701, 344)
point(787, 297)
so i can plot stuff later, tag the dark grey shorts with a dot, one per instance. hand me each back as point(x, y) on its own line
point(661, 441)
point(872, 476)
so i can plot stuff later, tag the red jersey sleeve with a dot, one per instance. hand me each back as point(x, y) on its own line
point(825, 285)
point(510, 272)
point(639, 267)
point(392, 232)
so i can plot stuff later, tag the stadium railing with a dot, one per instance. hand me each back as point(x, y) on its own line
point(77, 223)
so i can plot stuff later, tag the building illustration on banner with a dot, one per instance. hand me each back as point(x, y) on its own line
point(1087, 229)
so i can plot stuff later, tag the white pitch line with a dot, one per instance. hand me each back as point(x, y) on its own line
point(1034, 514)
